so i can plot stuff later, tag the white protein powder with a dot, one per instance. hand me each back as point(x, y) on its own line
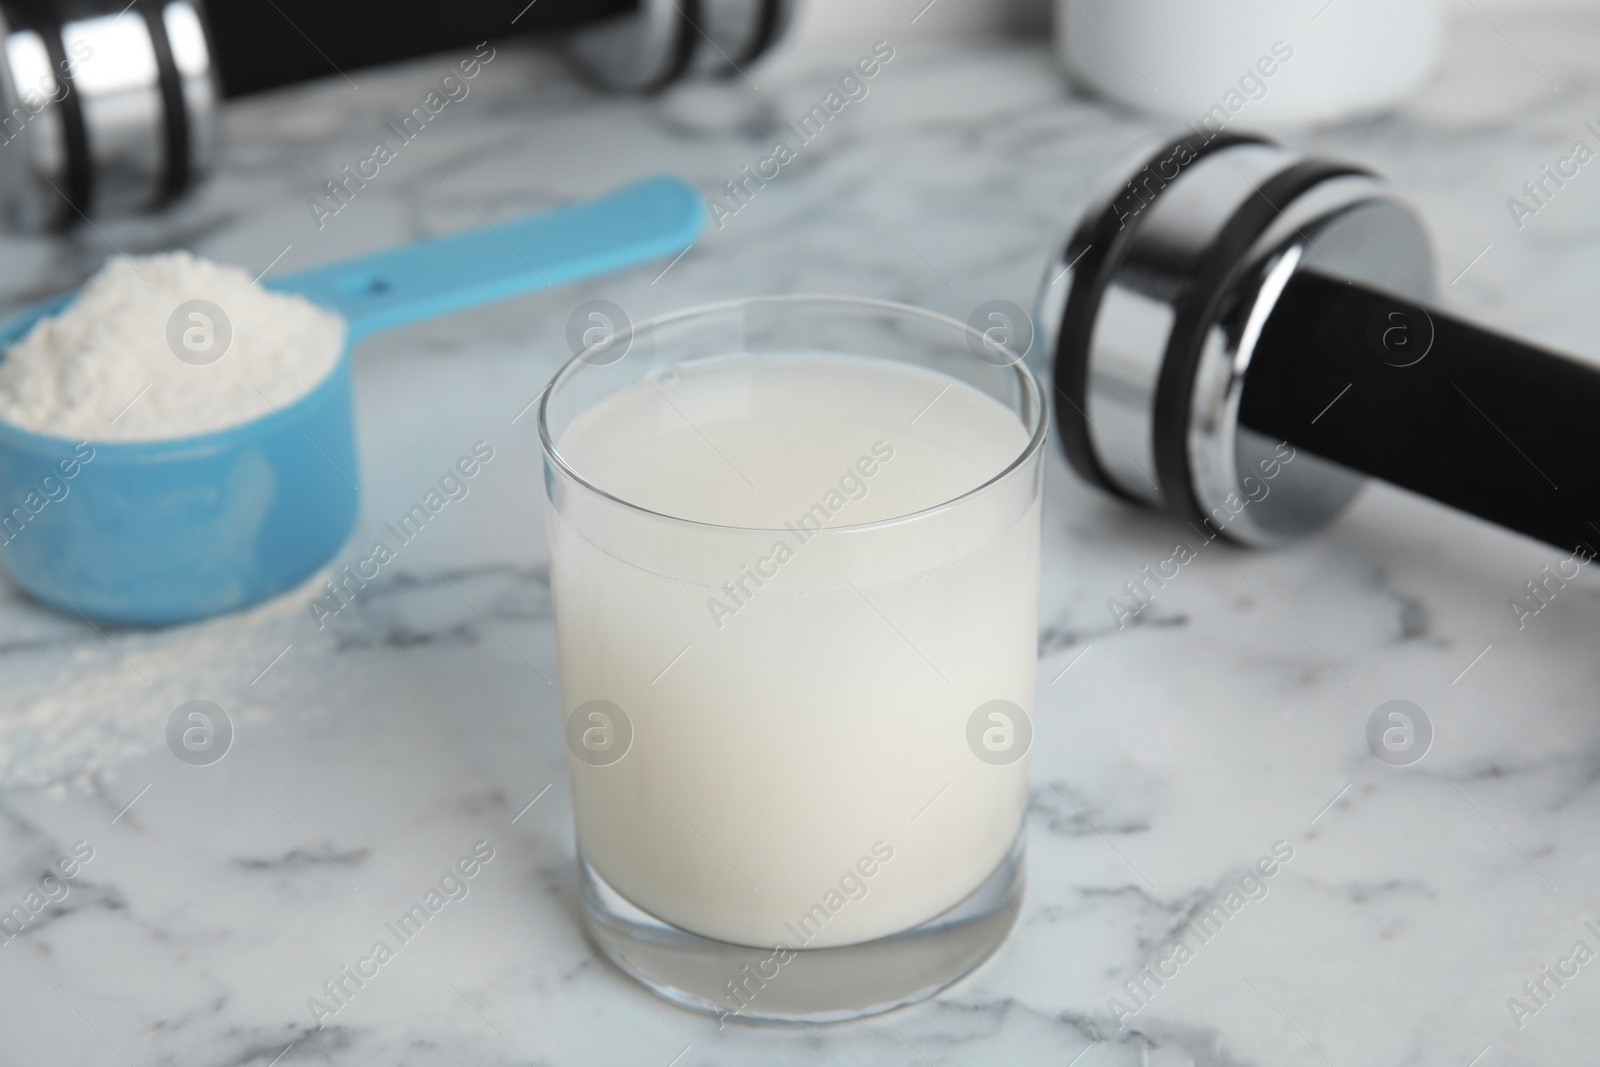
point(105, 368)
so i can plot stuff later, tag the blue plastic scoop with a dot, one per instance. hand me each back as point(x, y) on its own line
point(184, 528)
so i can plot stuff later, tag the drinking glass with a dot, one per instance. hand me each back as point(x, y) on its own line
point(795, 572)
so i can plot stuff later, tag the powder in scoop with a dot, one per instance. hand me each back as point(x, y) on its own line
point(134, 358)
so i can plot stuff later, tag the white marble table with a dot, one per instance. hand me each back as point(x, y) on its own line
point(1168, 758)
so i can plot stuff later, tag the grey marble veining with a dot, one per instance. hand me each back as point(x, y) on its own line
point(1169, 756)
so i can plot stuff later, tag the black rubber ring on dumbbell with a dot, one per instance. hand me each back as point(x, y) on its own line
point(767, 25)
point(683, 48)
point(1200, 307)
point(79, 179)
point(1105, 242)
point(175, 124)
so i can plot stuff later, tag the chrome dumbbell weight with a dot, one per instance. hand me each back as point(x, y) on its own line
point(109, 107)
point(1233, 296)
point(664, 40)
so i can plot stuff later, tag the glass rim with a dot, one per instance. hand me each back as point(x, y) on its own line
point(1030, 385)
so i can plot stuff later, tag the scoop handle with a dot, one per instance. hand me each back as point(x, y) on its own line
point(646, 220)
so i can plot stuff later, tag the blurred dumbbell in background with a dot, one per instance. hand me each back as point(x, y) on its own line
point(110, 107)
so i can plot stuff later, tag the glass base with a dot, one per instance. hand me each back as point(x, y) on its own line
point(737, 983)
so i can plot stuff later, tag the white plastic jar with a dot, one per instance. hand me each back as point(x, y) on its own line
point(1251, 62)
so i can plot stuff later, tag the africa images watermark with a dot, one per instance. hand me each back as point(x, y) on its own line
point(53, 888)
point(1543, 187)
point(453, 886)
point(852, 485)
point(51, 489)
point(1540, 591)
point(1203, 925)
point(852, 88)
point(38, 86)
point(1142, 189)
point(1551, 979)
point(453, 485)
point(853, 885)
point(1141, 591)
point(342, 189)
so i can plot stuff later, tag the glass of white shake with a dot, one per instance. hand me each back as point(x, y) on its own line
point(795, 570)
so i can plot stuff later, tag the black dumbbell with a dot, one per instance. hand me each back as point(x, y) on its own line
point(1240, 335)
point(110, 106)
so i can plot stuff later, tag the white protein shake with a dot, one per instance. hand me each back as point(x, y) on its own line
point(798, 688)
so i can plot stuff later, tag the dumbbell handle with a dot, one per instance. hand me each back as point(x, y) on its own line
point(1482, 422)
point(262, 44)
